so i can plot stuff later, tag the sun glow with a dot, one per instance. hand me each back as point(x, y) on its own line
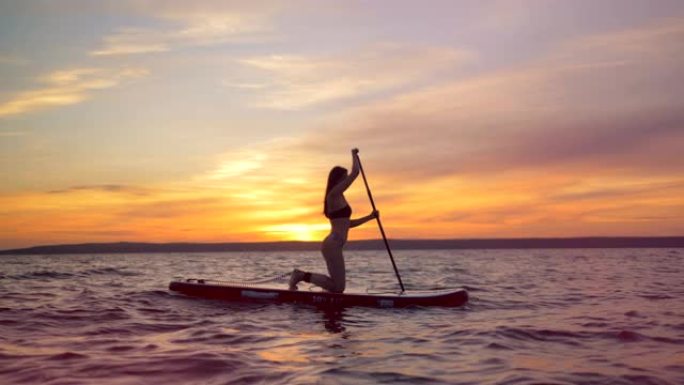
point(298, 231)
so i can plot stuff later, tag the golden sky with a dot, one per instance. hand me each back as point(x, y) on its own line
point(219, 121)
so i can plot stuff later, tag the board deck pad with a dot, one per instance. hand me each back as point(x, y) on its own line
point(260, 293)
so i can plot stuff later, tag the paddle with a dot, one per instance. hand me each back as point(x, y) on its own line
point(382, 231)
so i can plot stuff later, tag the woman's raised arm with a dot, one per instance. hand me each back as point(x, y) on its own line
point(344, 185)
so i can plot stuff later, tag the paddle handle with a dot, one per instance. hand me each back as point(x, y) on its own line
point(382, 230)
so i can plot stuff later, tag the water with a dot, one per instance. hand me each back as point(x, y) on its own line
point(594, 316)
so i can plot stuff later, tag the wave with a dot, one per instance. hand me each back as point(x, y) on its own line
point(58, 275)
point(67, 356)
point(109, 271)
point(378, 377)
point(656, 296)
point(43, 275)
point(575, 338)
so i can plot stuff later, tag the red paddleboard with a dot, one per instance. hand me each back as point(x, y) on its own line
point(260, 293)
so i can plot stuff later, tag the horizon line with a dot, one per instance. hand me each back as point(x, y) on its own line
point(676, 241)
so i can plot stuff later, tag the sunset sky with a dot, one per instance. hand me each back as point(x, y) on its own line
point(218, 121)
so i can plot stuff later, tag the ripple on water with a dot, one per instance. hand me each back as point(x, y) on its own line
point(67, 356)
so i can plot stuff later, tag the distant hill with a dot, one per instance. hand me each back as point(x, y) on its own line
point(396, 244)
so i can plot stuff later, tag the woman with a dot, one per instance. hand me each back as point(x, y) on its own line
point(336, 208)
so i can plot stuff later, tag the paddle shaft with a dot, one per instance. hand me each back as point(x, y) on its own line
point(382, 231)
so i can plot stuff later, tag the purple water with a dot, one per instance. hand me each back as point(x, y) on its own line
point(594, 316)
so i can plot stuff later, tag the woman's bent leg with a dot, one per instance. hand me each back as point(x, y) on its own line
point(320, 280)
point(336, 269)
point(334, 259)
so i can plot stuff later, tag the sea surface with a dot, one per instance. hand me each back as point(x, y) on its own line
point(572, 316)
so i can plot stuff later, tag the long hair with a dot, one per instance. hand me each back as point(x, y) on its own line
point(336, 175)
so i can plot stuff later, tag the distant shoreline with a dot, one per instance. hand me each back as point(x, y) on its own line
point(396, 244)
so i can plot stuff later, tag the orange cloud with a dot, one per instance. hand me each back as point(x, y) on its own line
point(190, 24)
point(114, 213)
point(67, 87)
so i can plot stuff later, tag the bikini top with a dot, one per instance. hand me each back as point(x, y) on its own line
point(344, 212)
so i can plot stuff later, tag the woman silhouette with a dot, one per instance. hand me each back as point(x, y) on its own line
point(335, 208)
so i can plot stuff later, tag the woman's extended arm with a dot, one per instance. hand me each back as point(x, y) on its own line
point(362, 220)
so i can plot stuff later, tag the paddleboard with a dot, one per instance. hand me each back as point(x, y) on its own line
point(261, 293)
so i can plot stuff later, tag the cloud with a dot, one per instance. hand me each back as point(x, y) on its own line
point(13, 60)
point(613, 99)
point(190, 25)
point(555, 146)
point(172, 208)
point(133, 41)
point(11, 134)
point(171, 212)
point(67, 87)
point(593, 98)
point(616, 190)
point(299, 81)
point(109, 188)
